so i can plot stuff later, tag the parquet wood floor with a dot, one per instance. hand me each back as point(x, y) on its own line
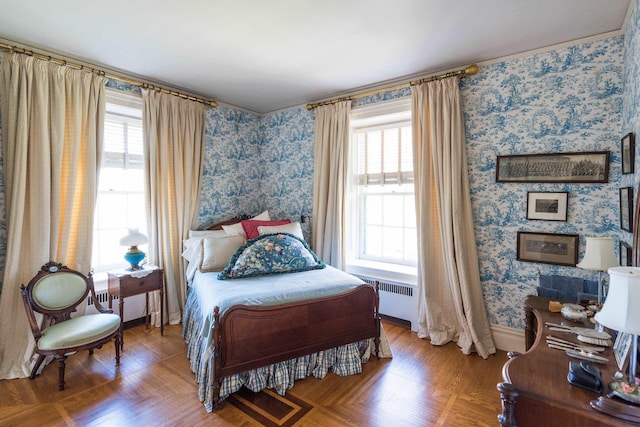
point(423, 385)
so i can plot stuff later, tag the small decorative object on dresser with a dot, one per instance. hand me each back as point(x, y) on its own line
point(125, 283)
point(547, 205)
point(628, 149)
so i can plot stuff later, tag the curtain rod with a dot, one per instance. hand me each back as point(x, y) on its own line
point(99, 72)
point(468, 71)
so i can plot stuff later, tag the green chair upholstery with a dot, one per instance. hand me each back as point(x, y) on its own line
point(56, 291)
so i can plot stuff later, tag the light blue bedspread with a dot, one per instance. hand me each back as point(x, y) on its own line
point(270, 290)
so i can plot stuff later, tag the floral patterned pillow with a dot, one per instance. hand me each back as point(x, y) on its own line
point(271, 254)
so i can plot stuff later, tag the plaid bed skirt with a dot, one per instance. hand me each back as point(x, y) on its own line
point(343, 360)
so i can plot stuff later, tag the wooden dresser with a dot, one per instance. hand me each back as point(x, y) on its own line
point(535, 391)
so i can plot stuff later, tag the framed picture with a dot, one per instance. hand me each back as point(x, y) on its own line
point(621, 350)
point(547, 206)
point(547, 248)
point(587, 167)
point(628, 149)
point(626, 254)
point(626, 208)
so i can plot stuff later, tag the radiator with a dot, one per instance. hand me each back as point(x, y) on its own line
point(399, 300)
point(134, 306)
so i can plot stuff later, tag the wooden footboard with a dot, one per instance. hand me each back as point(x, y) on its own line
point(249, 337)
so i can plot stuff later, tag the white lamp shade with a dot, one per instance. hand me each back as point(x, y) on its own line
point(599, 254)
point(620, 310)
point(134, 238)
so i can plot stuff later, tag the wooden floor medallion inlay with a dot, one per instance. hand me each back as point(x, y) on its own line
point(269, 408)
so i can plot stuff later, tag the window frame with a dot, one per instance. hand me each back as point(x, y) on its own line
point(387, 114)
point(123, 107)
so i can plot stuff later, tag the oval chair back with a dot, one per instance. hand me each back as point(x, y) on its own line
point(58, 293)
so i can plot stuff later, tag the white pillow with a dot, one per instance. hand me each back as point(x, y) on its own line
point(237, 230)
point(292, 228)
point(193, 248)
point(202, 233)
point(217, 251)
point(192, 245)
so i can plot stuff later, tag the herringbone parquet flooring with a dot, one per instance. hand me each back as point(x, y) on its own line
point(422, 385)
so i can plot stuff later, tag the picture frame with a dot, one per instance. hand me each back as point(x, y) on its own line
point(621, 348)
point(578, 167)
point(547, 248)
point(546, 205)
point(626, 209)
point(628, 150)
point(626, 254)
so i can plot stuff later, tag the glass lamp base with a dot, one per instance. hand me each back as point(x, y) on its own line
point(133, 257)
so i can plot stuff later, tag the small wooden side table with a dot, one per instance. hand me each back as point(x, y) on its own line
point(125, 283)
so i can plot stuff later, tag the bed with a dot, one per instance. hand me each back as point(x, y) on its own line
point(269, 330)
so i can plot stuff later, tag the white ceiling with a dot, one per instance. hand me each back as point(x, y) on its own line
point(265, 55)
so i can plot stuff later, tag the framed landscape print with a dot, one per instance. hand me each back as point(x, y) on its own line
point(586, 167)
point(628, 149)
point(547, 248)
point(626, 209)
point(547, 205)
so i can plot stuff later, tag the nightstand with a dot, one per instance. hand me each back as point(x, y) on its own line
point(125, 283)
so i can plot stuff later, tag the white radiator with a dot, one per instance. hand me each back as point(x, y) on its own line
point(399, 300)
point(134, 306)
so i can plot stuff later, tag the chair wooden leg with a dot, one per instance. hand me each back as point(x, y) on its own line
point(34, 371)
point(118, 344)
point(61, 360)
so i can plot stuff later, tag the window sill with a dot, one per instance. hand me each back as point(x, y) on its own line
point(380, 270)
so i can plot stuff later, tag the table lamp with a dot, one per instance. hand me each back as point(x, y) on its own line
point(620, 311)
point(600, 256)
point(134, 255)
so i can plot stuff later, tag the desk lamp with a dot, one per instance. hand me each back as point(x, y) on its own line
point(134, 255)
point(620, 311)
point(600, 256)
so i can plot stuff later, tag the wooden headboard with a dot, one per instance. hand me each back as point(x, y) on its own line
point(218, 225)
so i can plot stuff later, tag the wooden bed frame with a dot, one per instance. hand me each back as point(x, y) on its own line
point(250, 337)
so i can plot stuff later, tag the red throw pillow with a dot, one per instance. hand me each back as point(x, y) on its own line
point(250, 226)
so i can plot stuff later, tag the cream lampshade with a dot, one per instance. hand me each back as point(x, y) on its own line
point(600, 256)
point(620, 311)
point(134, 255)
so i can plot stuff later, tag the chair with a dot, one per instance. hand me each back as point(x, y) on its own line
point(55, 292)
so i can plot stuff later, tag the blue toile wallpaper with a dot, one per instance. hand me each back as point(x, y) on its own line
point(561, 101)
point(579, 98)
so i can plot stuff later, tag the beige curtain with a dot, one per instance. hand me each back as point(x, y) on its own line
point(52, 123)
point(173, 143)
point(331, 146)
point(451, 305)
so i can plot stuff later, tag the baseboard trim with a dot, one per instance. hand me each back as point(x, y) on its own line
point(508, 339)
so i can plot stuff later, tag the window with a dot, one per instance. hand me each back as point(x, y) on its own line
point(121, 198)
point(381, 214)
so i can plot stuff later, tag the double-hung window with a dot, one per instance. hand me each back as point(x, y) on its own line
point(121, 199)
point(381, 223)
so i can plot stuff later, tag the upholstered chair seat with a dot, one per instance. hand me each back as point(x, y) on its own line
point(79, 331)
point(56, 292)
